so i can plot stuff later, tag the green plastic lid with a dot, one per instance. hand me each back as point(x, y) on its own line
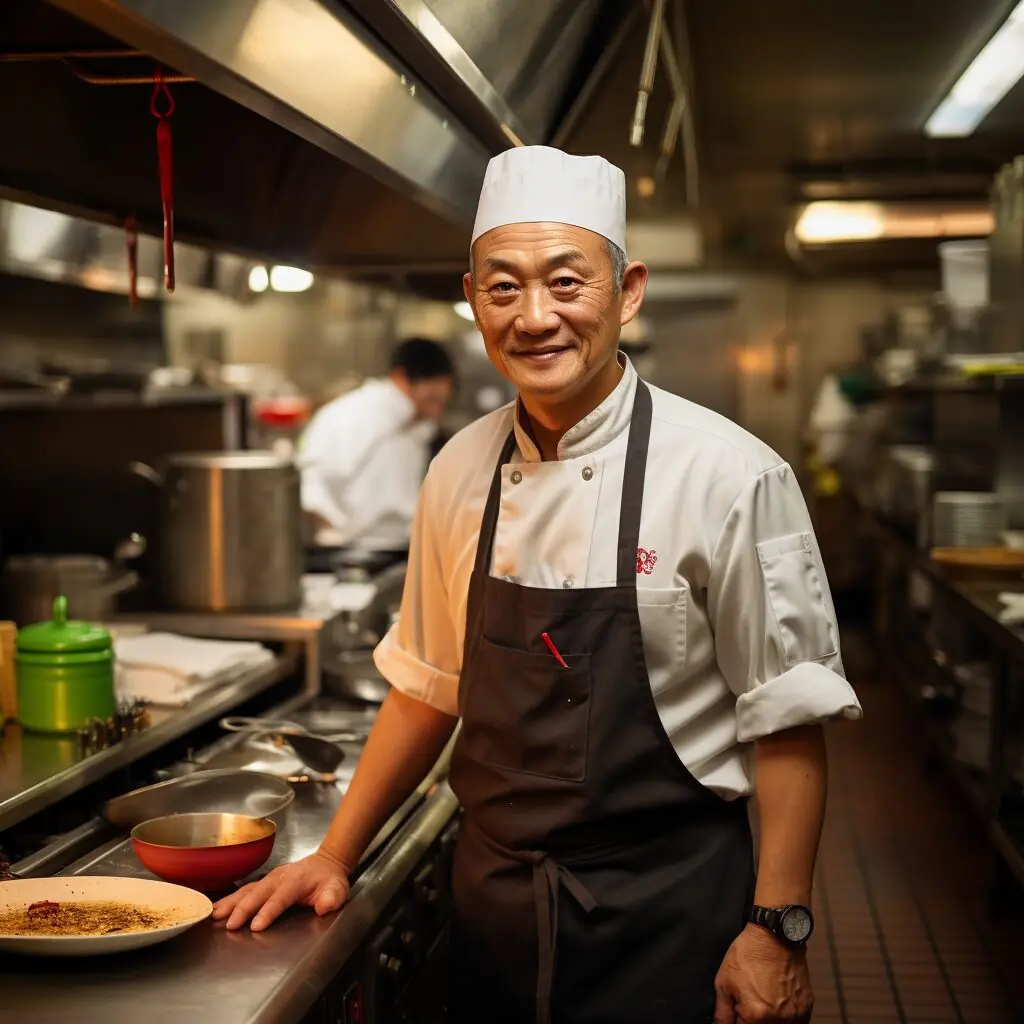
point(59, 636)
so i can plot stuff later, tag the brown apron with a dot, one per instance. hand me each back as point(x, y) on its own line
point(585, 838)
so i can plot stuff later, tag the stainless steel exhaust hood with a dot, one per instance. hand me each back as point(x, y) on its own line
point(51, 246)
point(348, 136)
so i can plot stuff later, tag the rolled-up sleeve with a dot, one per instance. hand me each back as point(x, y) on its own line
point(776, 635)
point(421, 655)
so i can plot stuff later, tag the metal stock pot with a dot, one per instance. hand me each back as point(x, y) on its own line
point(230, 531)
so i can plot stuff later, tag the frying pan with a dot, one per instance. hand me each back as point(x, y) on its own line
point(321, 753)
point(208, 852)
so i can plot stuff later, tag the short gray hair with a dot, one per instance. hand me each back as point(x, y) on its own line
point(615, 255)
point(619, 264)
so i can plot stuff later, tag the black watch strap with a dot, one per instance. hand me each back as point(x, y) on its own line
point(767, 917)
point(774, 919)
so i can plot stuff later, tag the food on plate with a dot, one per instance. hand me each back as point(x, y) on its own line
point(83, 918)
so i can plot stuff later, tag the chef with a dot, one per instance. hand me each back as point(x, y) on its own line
point(366, 452)
point(620, 595)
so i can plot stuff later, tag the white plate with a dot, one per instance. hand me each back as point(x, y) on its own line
point(187, 906)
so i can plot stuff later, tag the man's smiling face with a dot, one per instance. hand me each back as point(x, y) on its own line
point(548, 306)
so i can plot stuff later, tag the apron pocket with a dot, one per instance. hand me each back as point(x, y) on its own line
point(526, 713)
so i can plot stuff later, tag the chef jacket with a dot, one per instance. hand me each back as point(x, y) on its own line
point(739, 629)
point(365, 458)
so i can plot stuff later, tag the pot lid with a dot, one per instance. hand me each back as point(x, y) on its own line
point(62, 636)
point(92, 565)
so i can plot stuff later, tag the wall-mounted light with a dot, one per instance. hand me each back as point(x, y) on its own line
point(259, 279)
point(279, 279)
point(646, 186)
point(465, 310)
point(989, 77)
point(826, 223)
point(290, 279)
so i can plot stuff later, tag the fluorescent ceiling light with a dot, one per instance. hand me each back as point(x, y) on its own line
point(259, 279)
point(830, 222)
point(991, 75)
point(465, 310)
point(290, 279)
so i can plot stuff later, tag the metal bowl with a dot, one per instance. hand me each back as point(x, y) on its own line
point(208, 852)
point(220, 791)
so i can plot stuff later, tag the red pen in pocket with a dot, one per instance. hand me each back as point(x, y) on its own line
point(553, 649)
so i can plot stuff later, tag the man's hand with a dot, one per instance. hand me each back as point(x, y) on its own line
point(762, 981)
point(316, 881)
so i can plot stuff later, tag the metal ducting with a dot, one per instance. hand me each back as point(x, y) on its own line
point(339, 136)
point(51, 246)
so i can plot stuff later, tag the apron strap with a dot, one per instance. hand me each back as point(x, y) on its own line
point(489, 523)
point(633, 477)
point(549, 877)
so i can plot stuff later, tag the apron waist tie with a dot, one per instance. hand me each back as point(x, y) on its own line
point(548, 878)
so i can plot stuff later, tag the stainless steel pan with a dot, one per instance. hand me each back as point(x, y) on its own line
point(218, 790)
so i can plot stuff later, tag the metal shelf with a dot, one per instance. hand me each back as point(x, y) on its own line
point(977, 605)
point(36, 771)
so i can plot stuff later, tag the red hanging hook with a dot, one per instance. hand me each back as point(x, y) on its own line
point(161, 91)
point(161, 106)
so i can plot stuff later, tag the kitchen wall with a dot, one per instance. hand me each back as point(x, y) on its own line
point(319, 339)
point(791, 333)
point(759, 360)
point(49, 319)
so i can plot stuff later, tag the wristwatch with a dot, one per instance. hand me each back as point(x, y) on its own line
point(791, 924)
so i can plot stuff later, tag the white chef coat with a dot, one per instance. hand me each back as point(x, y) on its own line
point(365, 459)
point(738, 624)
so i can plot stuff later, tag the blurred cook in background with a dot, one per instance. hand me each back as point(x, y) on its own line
point(366, 453)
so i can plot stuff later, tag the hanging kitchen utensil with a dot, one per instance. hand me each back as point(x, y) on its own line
point(161, 106)
point(131, 231)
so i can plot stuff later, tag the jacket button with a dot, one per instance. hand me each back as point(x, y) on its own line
point(517, 477)
point(568, 584)
point(588, 473)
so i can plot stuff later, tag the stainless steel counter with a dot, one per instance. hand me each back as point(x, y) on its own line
point(210, 974)
point(235, 978)
point(37, 770)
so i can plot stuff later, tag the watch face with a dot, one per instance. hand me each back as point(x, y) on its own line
point(796, 924)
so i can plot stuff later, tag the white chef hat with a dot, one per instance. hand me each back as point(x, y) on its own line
point(531, 184)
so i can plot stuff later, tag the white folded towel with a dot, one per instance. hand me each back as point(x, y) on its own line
point(159, 688)
point(170, 670)
point(187, 658)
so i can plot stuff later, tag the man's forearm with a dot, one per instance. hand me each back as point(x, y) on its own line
point(791, 777)
point(404, 744)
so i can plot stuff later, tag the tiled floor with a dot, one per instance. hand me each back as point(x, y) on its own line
point(905, 934)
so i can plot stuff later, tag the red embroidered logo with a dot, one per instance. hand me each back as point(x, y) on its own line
point(645, 561)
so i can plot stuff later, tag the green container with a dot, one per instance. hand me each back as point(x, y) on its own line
point(65, 673)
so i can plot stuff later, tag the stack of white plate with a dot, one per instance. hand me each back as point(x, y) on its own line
point(967, 519)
